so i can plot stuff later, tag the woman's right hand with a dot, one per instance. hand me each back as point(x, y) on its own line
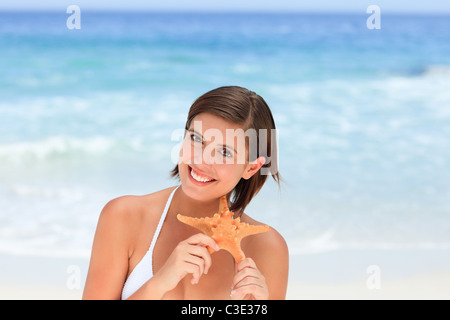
point(189, 257)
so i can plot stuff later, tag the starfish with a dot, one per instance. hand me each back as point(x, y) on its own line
point(226, 231)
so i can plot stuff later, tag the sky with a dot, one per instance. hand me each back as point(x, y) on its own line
point(397, 6)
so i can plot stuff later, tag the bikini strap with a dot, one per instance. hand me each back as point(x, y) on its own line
point(161, 220)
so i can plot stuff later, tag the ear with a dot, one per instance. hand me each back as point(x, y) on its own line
point(253, 167)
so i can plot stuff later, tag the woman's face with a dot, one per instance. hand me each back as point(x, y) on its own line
point(213, 158)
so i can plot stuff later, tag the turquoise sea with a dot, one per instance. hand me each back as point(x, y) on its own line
point(363, 116)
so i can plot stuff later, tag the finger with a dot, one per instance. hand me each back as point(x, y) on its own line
point(202, 253)
point(249, 291)
point(247, 262)
point(194, 270)
point(250, 280)
point(247, 272)
point(203, 239)
point(196, 261)
point(198, 251)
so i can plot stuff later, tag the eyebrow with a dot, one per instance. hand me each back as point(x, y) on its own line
point(223, 145)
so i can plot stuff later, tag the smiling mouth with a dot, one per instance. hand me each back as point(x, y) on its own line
point(199, 177)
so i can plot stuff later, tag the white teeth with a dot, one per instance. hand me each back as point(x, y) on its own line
point(198, 178)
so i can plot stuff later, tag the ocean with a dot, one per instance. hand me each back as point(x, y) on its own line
point(87, 115)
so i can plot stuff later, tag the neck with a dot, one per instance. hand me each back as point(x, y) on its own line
point(188, 206)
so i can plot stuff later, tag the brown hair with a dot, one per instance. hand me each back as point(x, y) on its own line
point(245, 107)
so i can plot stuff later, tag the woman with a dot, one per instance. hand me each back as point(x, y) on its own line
point(141, 250)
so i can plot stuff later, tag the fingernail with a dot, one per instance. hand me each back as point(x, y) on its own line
point(232, 292)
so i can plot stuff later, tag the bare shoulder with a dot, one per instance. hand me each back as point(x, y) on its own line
point(126, 214)
point(271, 255)
point(130, 206)
point(270, 242)
point(121, 225)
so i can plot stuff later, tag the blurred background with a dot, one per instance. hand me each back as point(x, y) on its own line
point(87, 115)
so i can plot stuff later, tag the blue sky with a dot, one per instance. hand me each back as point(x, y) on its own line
point(398, 6)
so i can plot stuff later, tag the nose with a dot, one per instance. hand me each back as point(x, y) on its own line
point(208, 156)
point(203, 155)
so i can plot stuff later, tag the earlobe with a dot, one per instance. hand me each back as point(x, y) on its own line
point(253, 167)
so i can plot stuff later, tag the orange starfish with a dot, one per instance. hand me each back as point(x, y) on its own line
point(226, 231)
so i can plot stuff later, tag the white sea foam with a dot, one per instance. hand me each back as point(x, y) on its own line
point(44, 219)
point(70, 148)
point(325, 243)
point(54, 146)
point(437, 70)
point(64, 194)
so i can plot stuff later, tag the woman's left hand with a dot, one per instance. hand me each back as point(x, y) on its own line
point(248, 282)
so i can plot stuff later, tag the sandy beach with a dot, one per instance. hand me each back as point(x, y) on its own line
point(370, 274)
point(420, 287)
point(329, 275)
point(43, 278)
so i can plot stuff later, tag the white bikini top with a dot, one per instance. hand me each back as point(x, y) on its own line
point(144, 269)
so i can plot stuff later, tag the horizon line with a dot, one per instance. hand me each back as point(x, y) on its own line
point(228, 11)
